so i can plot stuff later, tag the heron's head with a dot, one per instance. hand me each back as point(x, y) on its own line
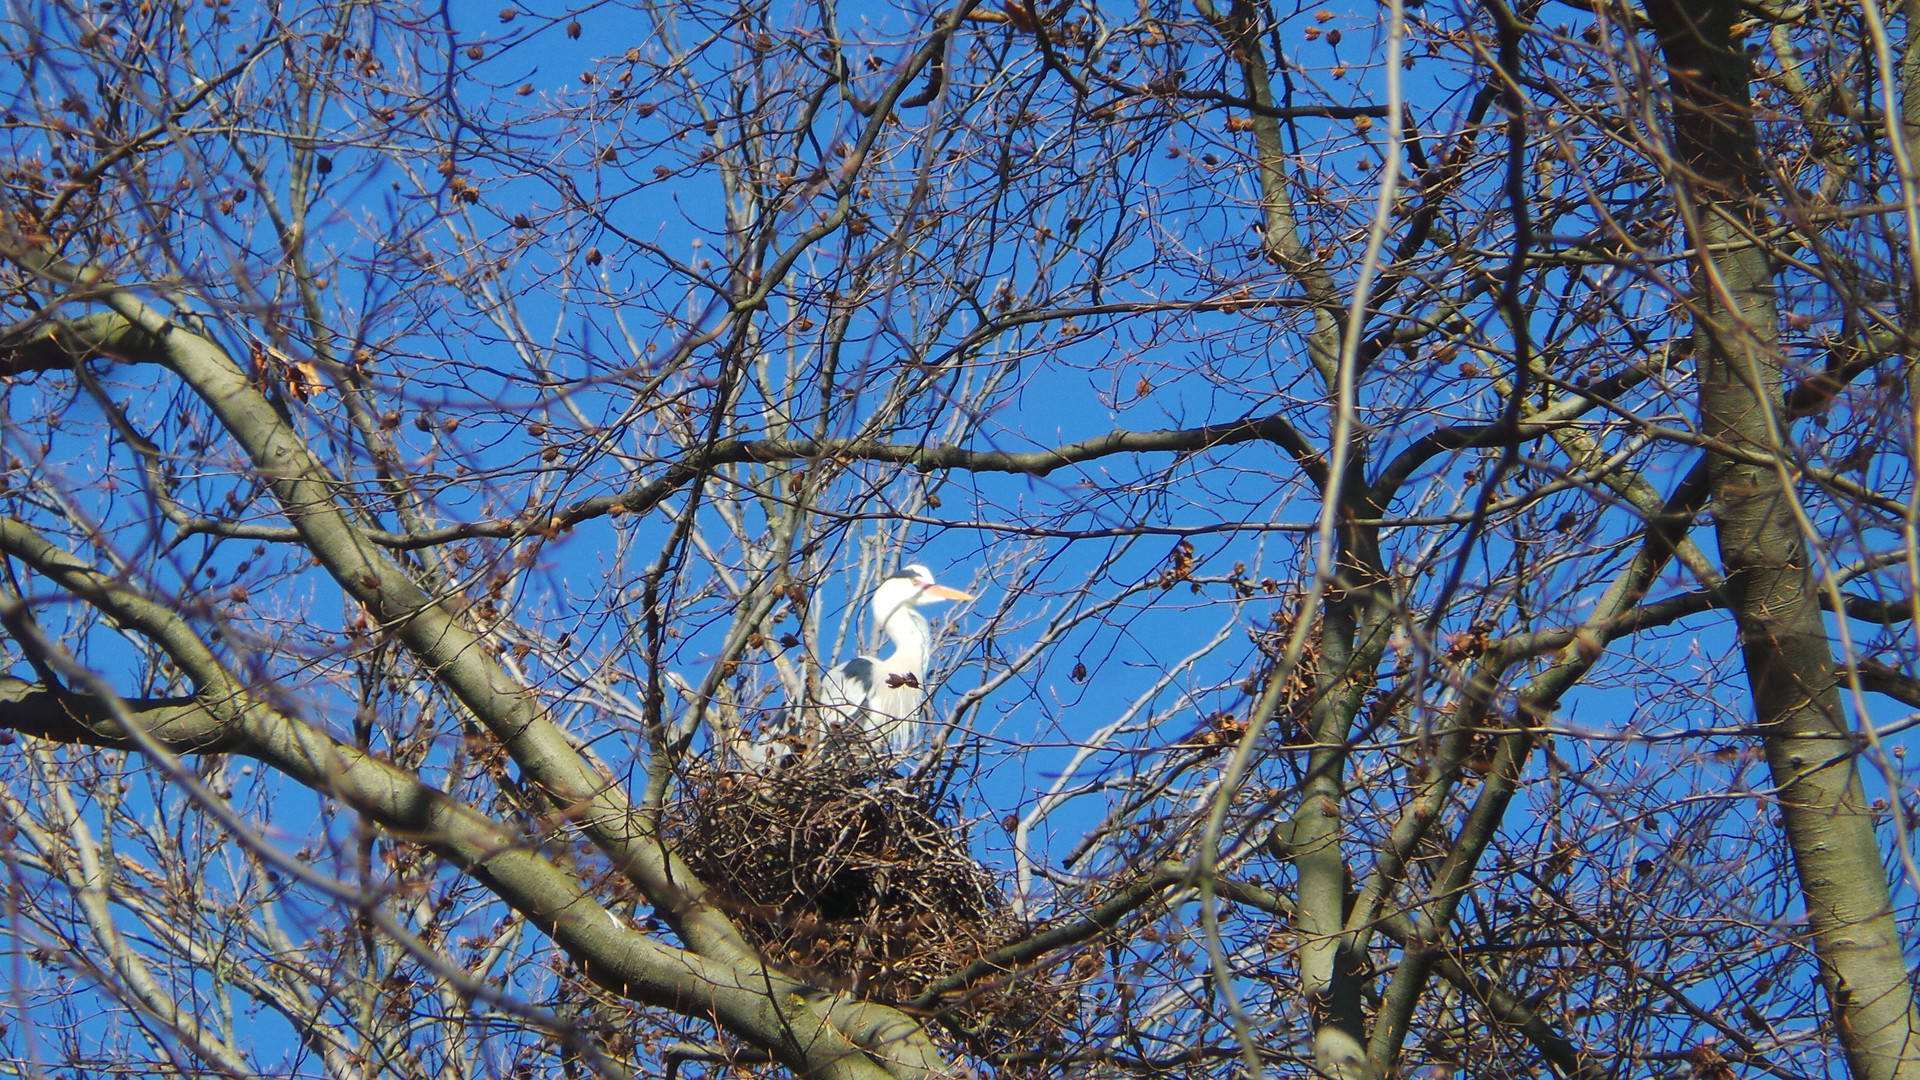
point(912, 586)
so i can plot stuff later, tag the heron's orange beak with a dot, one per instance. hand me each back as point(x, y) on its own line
point(943, 593)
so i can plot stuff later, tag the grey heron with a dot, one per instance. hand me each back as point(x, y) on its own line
point(870, 704)
point(881, 697)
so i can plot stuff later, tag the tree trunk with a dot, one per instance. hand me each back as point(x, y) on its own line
point(1717, 181)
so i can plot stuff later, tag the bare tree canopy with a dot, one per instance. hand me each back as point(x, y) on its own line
point(1423, 494)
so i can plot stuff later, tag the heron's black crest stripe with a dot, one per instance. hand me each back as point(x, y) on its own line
point(859, 670)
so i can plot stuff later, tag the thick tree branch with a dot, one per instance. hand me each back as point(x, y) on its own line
point(1885, 679)
point(182, 725)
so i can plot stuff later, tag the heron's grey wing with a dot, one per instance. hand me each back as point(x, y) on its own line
point(855, 679)
point(847, 688)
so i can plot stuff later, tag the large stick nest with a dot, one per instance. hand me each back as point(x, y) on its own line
point(864, 887)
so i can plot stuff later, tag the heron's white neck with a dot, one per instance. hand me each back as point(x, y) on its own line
point(911, 637)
